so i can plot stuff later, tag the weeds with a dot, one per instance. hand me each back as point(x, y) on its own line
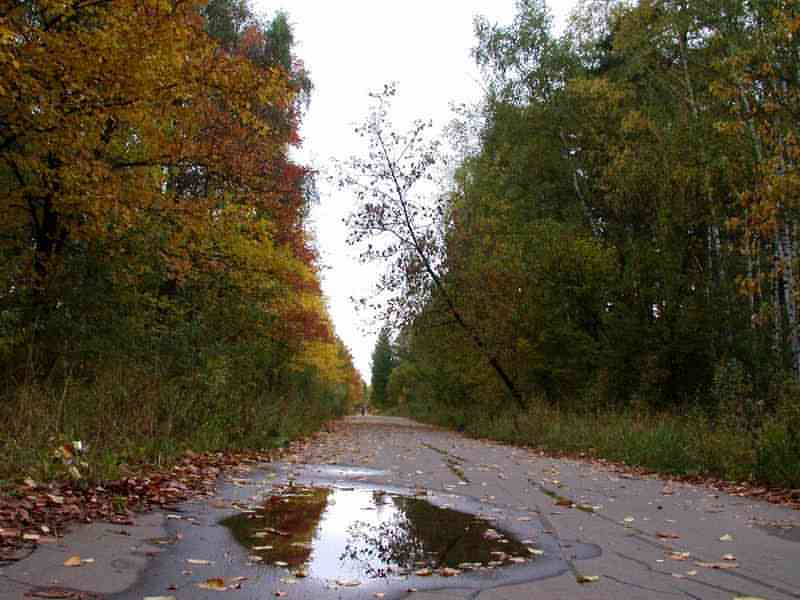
point(129, 416)
point(687, 444)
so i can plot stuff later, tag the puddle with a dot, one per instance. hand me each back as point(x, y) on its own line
point(359, 534)
point(346, 472)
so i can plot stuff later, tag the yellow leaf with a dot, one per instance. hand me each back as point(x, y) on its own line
point(216, 583)
point(73, 561)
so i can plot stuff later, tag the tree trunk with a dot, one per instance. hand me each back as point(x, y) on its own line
point(786, 243)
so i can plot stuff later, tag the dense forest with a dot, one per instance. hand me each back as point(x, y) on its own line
point(613, 266)
point(159, 287)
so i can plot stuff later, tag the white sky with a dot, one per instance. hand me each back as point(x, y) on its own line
point(353, 47)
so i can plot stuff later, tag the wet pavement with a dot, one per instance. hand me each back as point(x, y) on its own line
point(383, 506)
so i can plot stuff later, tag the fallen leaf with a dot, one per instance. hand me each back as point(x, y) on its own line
point(667, 535)
point(448, 572)
point(716, 565)
point(726, 538)
point(587, 578)
point(54, 593)
point(73, 561)
point(216, 583)
point(728, 557)
point(348, 582)
point(199, 561)
point(423, 572)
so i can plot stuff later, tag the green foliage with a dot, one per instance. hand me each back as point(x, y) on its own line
point(383, 363)
point(623, 241)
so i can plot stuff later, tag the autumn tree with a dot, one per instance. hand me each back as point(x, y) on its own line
point(153, 239)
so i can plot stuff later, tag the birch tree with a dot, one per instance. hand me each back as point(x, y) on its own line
point(400, 225)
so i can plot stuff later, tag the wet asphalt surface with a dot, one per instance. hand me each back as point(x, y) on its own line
point(622, 536)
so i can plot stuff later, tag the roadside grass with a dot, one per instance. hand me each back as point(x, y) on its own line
point(690, 444)
point(129, 417)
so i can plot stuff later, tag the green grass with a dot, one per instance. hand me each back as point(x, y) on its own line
point(130, 416)
point(671, 444)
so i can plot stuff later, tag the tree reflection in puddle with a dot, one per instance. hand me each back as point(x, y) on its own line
point(358, 534)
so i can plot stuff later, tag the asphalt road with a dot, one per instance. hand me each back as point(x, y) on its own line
point(602, 534)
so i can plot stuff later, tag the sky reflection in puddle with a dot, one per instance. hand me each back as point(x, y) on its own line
point(358, 534)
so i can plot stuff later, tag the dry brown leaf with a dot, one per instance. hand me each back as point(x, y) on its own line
point(215, 583)
point(73, 561)
point(667, 535)
point(54, 593)
point(587, 578)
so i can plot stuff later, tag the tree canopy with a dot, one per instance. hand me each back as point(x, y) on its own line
point(624, 233)
point(153, 214)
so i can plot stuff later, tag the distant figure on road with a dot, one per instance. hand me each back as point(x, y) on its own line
point(363, 410)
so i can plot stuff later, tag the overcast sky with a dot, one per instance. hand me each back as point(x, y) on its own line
point(352, 47)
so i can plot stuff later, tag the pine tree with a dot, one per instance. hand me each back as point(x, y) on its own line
point(383, 362)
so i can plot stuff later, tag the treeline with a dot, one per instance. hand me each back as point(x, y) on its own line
point(623, 239)
point(158, 286)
